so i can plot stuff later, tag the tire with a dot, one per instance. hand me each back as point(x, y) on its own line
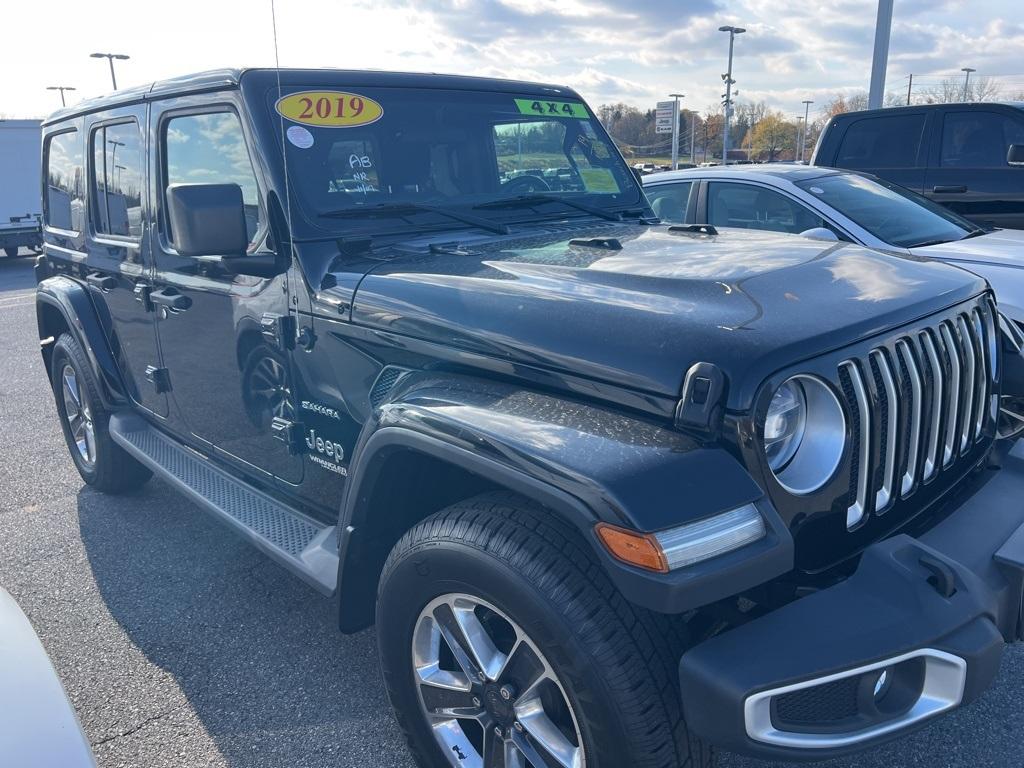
point(11, 251)
point(102, 463)
point(505, 564)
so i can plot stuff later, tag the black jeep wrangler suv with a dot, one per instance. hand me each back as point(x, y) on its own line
point(614, 493)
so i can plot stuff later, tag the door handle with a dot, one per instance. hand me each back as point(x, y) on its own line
point(949, 189)
point(170, 298)
point(105, 283)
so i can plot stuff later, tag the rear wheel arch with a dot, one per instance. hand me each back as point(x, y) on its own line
point(402, 477)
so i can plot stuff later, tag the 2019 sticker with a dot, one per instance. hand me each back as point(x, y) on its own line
point(329, 109)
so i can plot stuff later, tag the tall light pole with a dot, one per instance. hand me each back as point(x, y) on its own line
point(880, 60)
point(733, 31)
point(967, 78)
point(110, 59)
point(693, 140)
point(61, 88)
point(803, 142)
point(799, 136)
point(675, 129)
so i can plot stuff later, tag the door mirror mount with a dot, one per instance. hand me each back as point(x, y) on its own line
point(1015, 155)
point(820, 233)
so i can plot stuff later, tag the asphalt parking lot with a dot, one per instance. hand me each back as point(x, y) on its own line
point(181, 646)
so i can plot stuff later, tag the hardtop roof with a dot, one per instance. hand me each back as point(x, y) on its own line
point(219, 79)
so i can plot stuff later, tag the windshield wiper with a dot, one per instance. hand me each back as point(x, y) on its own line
point(526, 200)
point(976, 233)
point(385, 209)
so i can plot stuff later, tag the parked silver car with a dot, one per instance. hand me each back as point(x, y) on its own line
point(38, 726)
point(843, 205)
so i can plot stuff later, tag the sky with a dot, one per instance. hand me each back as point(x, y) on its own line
point(633, 51)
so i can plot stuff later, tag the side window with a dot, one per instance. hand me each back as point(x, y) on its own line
point(65, 182)
point(750, 207)
point(210, 149)
point(116, 183)
point(978, 139)
point(882, 142)
point(668, 201)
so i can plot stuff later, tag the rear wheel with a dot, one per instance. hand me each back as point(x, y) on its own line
point(100, 461)
point(504, 645)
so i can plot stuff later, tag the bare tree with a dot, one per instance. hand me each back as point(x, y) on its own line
point(951, 90)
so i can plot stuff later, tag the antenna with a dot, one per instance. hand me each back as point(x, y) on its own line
point(284, 148)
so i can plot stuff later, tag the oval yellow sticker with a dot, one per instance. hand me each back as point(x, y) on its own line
point(329, 109)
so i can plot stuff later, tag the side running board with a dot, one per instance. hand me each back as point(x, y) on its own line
point(302, 545)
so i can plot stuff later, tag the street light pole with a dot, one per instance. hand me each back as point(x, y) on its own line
point(883, 28)
point(733, 31)
point(967, 78)
point(675, 129)
point(61, 88)
point(693, 140)
point(799, 137)
point(803, 142)
point(110, 59)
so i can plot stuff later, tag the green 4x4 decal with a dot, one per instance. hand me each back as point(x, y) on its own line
point(552, 108)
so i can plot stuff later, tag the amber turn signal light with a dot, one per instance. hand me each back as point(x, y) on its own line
point(639, 549)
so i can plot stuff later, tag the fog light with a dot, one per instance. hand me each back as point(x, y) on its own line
point(686, 544)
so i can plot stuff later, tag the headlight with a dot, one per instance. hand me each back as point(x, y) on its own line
point(804, 434)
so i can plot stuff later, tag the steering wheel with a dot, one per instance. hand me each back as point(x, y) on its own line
point(526, 184)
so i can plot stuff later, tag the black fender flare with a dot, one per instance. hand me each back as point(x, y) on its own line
point(586, 463)
point(71, 300)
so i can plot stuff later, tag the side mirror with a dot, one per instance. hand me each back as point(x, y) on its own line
point(207, 219)
point(820, 233)
point(1015, 155)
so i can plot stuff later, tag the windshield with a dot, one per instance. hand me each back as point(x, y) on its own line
point(891, 213)
point(375, 160)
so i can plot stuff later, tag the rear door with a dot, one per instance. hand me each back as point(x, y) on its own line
point(968, 171)
point(894, 147)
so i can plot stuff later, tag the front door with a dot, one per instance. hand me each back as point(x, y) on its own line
point(228, 380)
point(970, 174)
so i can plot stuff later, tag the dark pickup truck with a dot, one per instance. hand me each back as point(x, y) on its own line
point(614, 493)
point(968, 157)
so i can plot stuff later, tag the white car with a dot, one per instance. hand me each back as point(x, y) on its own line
point(842, 205)
point(38, 727)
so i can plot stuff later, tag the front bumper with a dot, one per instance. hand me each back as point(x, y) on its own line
point(919, 629)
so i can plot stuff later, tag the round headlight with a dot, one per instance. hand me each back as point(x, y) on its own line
point(804, 434)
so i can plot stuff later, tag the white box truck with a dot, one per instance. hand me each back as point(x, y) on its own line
point(20, 198)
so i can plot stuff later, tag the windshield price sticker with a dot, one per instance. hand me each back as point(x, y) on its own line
point(329, 109)
point(552, 108)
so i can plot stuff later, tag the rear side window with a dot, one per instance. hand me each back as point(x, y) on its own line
point(210, 149)
point(65, 182)
point(751, 207)
point(978, 139)
point(668, 201)
point(117, 180)
point(882, 142)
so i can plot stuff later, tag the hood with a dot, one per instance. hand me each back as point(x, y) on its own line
point(639, 317)
point(1004, 247)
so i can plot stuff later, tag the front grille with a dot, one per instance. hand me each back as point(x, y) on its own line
point(917, 405)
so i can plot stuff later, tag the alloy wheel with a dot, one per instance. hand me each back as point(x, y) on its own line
point(76, 409)
point(490, 697)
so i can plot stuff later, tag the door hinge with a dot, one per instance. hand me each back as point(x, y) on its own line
point(279, 330)
point(290, 433)
point(159, 378)
point(141, 293)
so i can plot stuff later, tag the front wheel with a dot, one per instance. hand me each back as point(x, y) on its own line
point(11, 251)
point(504, 645)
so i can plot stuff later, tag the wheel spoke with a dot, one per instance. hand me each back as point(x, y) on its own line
point(90, 441)
point(524, 668)
point(476, 640)
point(427, 659)
point(71, 387)
point(547, 740)
point(544, 754)
point(471, 653)
point(447, 702)
point(494, 749)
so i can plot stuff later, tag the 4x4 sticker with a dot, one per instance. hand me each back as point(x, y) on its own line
point(551, 108)
point(329, 109)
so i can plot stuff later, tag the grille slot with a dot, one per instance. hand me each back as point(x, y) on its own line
point(917, 405)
